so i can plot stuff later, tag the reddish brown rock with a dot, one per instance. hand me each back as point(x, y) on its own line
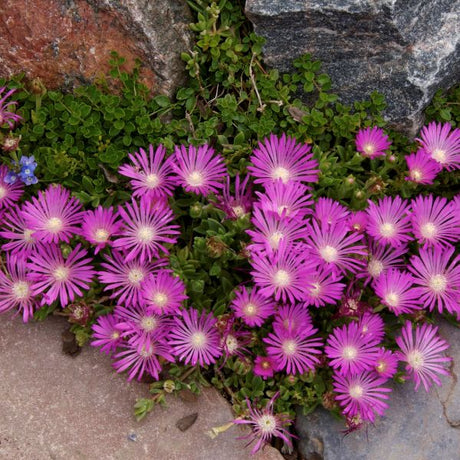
point(65, 43)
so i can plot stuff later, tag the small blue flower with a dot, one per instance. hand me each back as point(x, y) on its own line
point(28, 161)
point(11, 177)
point(29, 180)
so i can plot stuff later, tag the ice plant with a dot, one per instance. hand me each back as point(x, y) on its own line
point(146, 228)
point(99, 226)
point(265, 424)
point(199, 169)
point(54, 216)
point(423, 354)
point(20, 239)
point(437, 279)
point(372, 142)
point(386, 363)
point(293, 317)
point(422, 168)
point(371, 327)
point(9, 192)
point(389, 221)
point(357, 222)
point(239, 203)
point(251, 306)
point(442, 144)
point(57, 278)
point(283, 158)
point(330, 212)
point(325, 288)
point(361, 394)
point(15, 288)
point(105, 333)
point(195, 339)
point(151, 174)
point(264, 366)
point(7, 117)
point(434, 221)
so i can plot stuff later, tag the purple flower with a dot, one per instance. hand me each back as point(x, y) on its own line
point(283, 158)
point(56, 277)
point(361, 394)
point(199, 170)
point(151, 176)
point(442, 144)
point(9, 192)
point(55, 216)
point(434, 221)
point(437, 282)
point(330, 212)
point(386, 364)
point(372, 142)
point(195, 338)
point(389, 221)
point(423, 354)
point(264, 366)
point(325, 288)
point(105, 333)
point(20, 239)
point(350, 351)
point(7, 117)
point(422, 168)
point(252, 307)
point(239, 203)
point(372, 327)
point(357, 222)
point(292, 318)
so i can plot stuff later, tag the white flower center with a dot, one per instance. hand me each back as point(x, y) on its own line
point(152, 180)
point(146, 353)
point(160, 299)
point(101, 235)
point(381, 366)
point(250, 309)
point(369, 149)
point(145, 234)
point(195, 179)
point(281, 173)
point(3, 192)
point(428, 230)
point(349, 352)
point(274, 239)
point(356, 391)
point(328, 253)
point(267, 423)
point(375, 268)
point(238, 211)
point(148, 323)
point(28, 235)
point(439, 155)
point(438, 283)
point(198, 339)
point(392, 299)
point(387, 230)
point(61, 273)
point(21, 290)
point(285, 209)
point(54, 224)
point(289, 347)
point(315, 290)
point(415, 359)
point(135, 276)
point(281, 278)
point(115, 335)
point(232, 344)
point(416, 175)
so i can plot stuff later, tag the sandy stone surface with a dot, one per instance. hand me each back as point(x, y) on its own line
point(53, 406)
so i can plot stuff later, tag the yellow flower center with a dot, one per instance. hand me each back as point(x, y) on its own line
point(135, 276)
point(267, 423)
point(381, 366)
point(281, 173)
point(369, 149)
point(101, 235)
point(146, 353)
point(416, 175)
point(250, 309)
point(160, 299)
point(148, 323)
point(3, 192)
point(28, 236)
point(238, 211)
point(274, 239)
point(21, 290)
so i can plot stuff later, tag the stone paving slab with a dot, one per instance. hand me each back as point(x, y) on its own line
point(54, 406)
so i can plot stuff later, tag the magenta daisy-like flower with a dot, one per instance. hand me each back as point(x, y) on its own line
point(395, 289)
point(163, 293)
point(283, 158)
point(330, 212)
point(199, 170)
point(140, 360)
point(389, 221)
point(361, 394)
point(151, 175)
point(125, 278)
point(325, 288)
point(422, 168)
point(16, 288)
point(55, 216)
point(424, 354)
point(239, 203)
point(372, 327)
point(251, 306)
point(20, 239)
point(335, 249)
point(7, 117)
point(265, 424)
point(293, 318)
point(146, 227)
point(194, 338)
point(442, 144)
point(9, 193)
point(56, 277)
point(350, 351)
point(289, 200)
point(105, 333)
point(284, 274)
point(99, 226)
point(372, 142)
point(386, 364)
point(437, 282)
point(434, 221)
point(264, 366)
point(357, 222)
point(269, 229)
point(293, 352)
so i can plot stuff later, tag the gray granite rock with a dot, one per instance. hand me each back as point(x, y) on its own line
point(405, 49)
point(417, 425)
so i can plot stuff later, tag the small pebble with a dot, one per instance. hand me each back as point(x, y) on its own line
point(132, 437)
